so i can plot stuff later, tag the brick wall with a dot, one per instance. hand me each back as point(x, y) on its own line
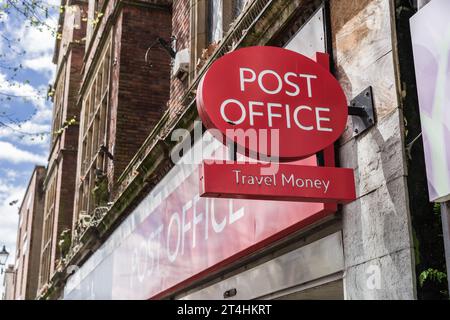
point(36, 235)
point(181, 29)
point(63, 156)
point(66, 176)
point(142, 91)
point(28, 260)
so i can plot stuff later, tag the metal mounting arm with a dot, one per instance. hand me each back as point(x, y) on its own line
point(163, 44)
point(361, 110)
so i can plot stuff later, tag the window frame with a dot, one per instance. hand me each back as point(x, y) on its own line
point(94, 130)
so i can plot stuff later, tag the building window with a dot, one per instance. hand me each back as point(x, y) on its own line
point(58, 101)
point(49, 214)
point(237, 6)
point(24, 244)
point(27, 219)
point(220, 16)
point(22, 283)
point(18, 241)
point(92, 185)
point(20, 217)
point(93, 17)
point(210, 21)
point(215, 21)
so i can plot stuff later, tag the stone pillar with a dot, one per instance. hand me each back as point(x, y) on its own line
point(378, 251)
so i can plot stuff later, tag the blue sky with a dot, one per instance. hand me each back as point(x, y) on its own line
point(19, 151)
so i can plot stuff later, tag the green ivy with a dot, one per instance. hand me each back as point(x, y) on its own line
point(432, 275)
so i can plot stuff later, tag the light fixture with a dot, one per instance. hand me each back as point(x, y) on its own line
point(3, 256)
point(168, 46)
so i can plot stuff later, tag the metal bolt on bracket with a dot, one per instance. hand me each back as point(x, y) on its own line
point(361, 110)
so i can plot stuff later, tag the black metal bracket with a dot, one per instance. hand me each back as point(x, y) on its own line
point(167, 46)
point(362, 111)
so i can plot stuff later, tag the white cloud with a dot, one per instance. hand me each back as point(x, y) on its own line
point(29, 132)
point(39, 46)
point(10, 153)
point(10, 200)
point(3, 16)
point(9, 213)
point(35, 40)
point(38, 123)
point(28, 140)
point(10, 174)
point(42, 63)
point(37, 43)
point(35, 95)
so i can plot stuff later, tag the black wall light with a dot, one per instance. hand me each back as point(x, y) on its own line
point(166, 45)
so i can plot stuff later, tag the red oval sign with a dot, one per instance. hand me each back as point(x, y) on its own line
point(268, 90)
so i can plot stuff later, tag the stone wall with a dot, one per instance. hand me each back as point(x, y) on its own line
point(378, 249)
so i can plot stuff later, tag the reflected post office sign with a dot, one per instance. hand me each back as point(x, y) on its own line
point(298, 105)
point(174, 237)
point(430, 31)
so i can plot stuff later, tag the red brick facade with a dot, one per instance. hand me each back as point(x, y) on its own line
point(143, 91)
point(58, 206)
point(29, 238)
point(181, 28)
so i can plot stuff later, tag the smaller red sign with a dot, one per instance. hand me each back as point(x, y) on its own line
point(289, 183)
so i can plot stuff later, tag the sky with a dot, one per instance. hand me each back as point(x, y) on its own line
point(20, 152)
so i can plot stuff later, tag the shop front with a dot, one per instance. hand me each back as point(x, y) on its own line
point(214, 228)
point(175, 238)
